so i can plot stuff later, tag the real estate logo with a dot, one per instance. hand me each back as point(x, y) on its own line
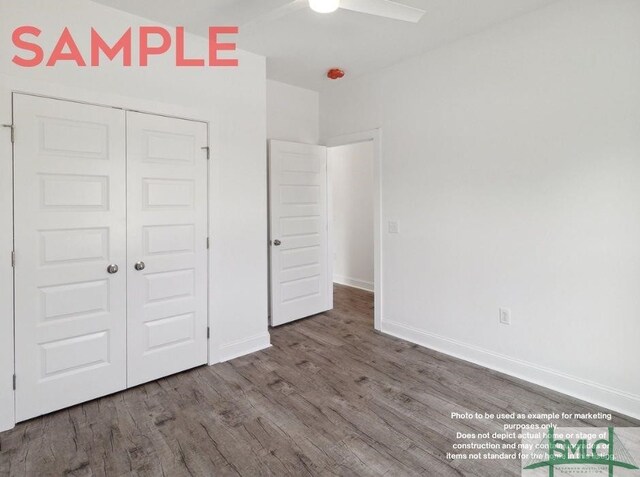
point(582, 452)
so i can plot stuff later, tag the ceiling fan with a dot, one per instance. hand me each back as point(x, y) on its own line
point(381, 8)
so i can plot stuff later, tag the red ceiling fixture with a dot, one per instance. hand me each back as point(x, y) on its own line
point(335, 73)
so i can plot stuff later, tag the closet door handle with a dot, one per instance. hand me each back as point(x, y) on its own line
point(139, 266)
point(277, 242)
point(112, 269)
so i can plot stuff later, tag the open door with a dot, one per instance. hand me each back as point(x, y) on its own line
point(299, 243)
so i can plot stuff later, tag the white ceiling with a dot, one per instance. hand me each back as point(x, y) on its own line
point(303, 45)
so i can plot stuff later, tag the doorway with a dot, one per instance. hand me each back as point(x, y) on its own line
point(351, 214)
point(374, 138)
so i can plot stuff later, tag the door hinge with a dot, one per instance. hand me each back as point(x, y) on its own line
point(14, 382)
point(208, 332)
point(208, 149)
point(208, 243)
point(13, 258)
point(13, 131)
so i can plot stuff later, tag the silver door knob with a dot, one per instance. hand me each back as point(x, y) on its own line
point(112, 269)
point(139, 266)
point(277, 243)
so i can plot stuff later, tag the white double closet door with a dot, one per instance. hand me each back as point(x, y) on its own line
point(111, 250)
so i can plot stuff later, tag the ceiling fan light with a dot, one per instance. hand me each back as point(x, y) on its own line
point(324, 6)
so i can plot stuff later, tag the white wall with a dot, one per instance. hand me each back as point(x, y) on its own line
point(511, 160)
point(292, 113)
point(351, 179)
point(233, 100)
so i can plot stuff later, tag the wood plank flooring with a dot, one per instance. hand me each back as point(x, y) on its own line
point(331, 397)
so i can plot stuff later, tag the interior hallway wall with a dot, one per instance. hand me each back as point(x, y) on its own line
point(511, 160)
point(351, 182)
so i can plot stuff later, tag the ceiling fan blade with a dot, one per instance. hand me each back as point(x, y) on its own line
point(384, 8)
point(292, 6)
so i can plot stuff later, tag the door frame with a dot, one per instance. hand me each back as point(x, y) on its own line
point(10, 86)
point(375, 136)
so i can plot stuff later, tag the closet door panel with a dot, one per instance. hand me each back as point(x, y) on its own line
point(167, 246)
point(70, 220)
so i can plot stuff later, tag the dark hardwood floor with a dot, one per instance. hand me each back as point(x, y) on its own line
point(331, 397)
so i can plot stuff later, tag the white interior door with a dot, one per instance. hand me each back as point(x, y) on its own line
point(167, 235)
point(70, 313)
point(300, 278)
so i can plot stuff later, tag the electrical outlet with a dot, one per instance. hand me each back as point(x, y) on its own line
point(505, 316)
point(394, 228)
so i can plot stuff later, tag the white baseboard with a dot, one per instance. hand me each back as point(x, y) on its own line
point(6, 425)
point(352, 282)
point(7, 418)
point(603, 396)
point(243, 347)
